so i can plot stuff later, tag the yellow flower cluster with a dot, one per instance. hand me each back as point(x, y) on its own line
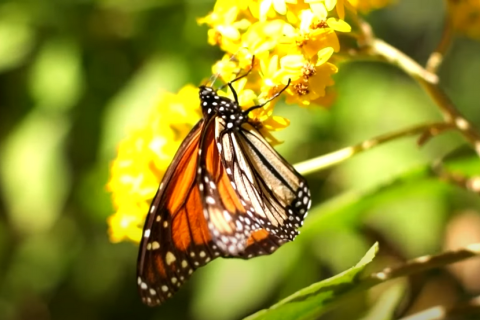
point(465, 17)
point(291, 39)
point(144, 156)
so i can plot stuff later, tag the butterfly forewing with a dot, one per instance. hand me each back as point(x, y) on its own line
point(176, 239)
point(225, 212)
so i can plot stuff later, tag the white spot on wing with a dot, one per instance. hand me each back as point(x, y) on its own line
point(210, 200)
point(170, 258)
point(227, 215)
point(239, 225)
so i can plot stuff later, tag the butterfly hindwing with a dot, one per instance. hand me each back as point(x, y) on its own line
point(225, 213)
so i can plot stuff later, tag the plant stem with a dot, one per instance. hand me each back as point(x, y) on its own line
point(471, 184)
point(444, 312)
point(328, 160)
point(436, 58)
point(429, 81)
point(424, 263)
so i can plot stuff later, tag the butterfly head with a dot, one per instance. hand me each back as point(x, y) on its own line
point(223, 107)
point(208, 98)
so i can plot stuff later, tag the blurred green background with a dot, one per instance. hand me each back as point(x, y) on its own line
point(76, 75)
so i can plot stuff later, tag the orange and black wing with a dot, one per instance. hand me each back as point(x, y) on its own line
point(253, 200)
point(276, 196)
point(176, 239)
point(226, 214)
point(227, 193)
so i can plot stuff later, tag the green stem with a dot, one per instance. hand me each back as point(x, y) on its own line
point(328, 160)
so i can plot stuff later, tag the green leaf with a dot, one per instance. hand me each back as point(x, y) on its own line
point(314, 300)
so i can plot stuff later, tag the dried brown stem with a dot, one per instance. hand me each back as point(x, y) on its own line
point(471, 184)
point(436, 58)
point(426, 262)
point(429, 82)
point(458, 311)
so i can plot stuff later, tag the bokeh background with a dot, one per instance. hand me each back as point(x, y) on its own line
point(76, 75)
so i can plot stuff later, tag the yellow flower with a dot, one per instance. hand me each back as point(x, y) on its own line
point(263, 36)
point(465, 17)
point(313, 35)
point(226, 32)
point(226, 68)
point(126, 223)
point(309, 80)
point(277, 32)
point(271, 77)
point(280, 6)
point(308, 89)
point(144, 156)
point(321, 7)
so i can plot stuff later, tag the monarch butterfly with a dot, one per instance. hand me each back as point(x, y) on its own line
point(227, 193)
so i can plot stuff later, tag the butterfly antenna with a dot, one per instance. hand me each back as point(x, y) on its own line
point(273, 97)
point(215, 76)
point(212, 79)
point(229, 84)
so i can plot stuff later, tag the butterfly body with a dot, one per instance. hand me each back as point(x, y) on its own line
point(226, 109)
point(227, 193)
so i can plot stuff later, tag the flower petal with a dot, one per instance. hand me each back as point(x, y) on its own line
point(338, 25)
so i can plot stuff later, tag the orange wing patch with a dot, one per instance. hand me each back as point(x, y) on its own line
point(215, 167)
point(176, 237)
point(184, 203)
point(230, 220)
point(257, 236)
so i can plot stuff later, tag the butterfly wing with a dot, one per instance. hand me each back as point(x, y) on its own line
point(224, 211)
point(176, 239)
point(276, 196)
point(227, 193)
